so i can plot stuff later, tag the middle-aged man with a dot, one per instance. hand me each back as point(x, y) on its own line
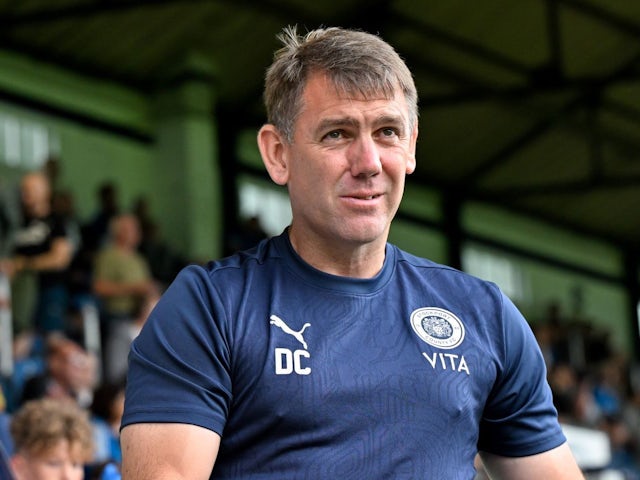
point(326, 352)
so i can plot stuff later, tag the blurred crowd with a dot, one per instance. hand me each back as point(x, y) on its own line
point(73, 295)
point(594, 385)
point(76, 293)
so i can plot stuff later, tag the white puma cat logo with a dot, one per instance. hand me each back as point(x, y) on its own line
point(278, 322)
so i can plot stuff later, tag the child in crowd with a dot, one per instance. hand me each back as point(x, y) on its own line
point(52, 439)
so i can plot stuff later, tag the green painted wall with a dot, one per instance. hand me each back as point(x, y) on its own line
point(63, 89)
point(167, 152)
point(89, 157)
point(542, 238)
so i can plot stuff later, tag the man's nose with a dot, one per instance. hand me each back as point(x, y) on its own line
point(364, 157)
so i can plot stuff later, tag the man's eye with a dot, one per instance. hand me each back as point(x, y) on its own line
point(334, 135)
point(388, 132)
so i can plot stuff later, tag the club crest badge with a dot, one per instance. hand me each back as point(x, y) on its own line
point(437, 327)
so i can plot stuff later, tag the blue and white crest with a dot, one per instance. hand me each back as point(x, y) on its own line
point(437, 327)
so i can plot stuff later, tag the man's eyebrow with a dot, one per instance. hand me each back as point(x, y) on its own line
point(346, 121)
point(388, 119)
point(391, 120)
point(336, 122)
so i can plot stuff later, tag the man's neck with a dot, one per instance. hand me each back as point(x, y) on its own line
point(345, 260)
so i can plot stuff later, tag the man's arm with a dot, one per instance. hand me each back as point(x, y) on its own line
point(555, 464)
point(58, 257)
point(168, 451)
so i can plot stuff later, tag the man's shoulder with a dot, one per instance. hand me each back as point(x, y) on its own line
point(445, 274)
point(411, 260)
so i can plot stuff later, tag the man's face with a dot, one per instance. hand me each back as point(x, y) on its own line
point(72, 367)
point(61, 462)
point(128, 231)
point(34, 190)
point(347, 165)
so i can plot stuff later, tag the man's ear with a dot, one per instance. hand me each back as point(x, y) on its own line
point(273, 149)
point(411, 163)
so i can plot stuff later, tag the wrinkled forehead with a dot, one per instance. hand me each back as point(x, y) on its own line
point(324, 93)
point(360, 86)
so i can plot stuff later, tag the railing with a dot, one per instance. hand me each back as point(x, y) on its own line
point(91, 333)
point(6, 329)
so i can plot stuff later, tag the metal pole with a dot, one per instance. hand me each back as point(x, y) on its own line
point(6, 328)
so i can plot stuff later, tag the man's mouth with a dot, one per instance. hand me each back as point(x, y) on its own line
point(365, 197)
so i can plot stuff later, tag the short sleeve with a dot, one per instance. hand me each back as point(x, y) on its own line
point(179, 364)
point(519, 418)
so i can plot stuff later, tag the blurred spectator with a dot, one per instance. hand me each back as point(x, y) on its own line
point(51, 170)
point(122, 279)
point(164, 262)
point(609, 388)
point(41, 246)
point(121, 275)
point(623, 456)
point(96, 231)
point(52, 440)
point(563, 380)
point(106, 409)
point(141, 209)
point(71, 373)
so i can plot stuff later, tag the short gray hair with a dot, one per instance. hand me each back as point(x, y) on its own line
point(355, 62)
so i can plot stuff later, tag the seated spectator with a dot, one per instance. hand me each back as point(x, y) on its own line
point(71, 373)
point(106, 410)
point(52, 439)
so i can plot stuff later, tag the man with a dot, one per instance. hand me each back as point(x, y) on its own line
point(53, 441)
point(326, 352)
point(71, 373)
point(95, 233)
point(41, 245)
point(122, 276)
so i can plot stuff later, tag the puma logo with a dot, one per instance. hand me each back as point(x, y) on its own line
point(278, 322)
